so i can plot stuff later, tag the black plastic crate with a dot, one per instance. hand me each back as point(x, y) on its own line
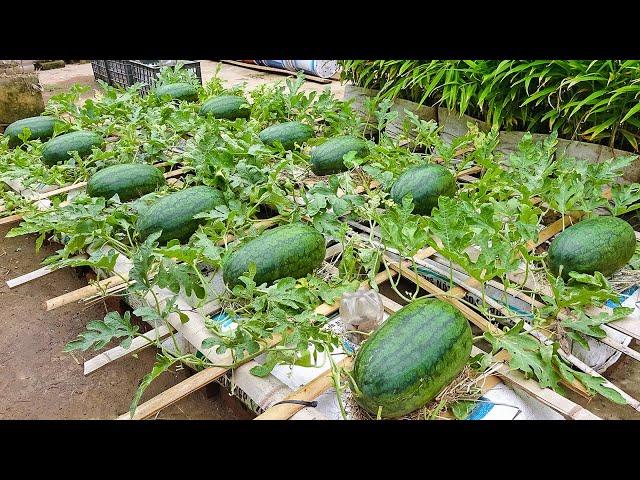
point(119, 73)
point(100, 71)
point(146, 71)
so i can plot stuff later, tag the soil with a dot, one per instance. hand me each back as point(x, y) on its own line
point(624, 374)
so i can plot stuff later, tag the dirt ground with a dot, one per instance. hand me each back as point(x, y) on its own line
point(38, 381)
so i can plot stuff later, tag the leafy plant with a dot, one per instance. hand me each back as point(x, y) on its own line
point(592, 100)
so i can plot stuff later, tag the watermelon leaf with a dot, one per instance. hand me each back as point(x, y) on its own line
point(100, 333)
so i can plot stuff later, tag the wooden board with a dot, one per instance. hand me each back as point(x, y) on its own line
point(279, 71)
point(41, 272)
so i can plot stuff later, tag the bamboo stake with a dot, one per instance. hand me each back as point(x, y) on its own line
point(83, 292)
point(58, 191)
point(175, 393)
point(554, 228)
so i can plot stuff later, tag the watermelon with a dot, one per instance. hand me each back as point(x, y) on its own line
point(57, 149)
point(288, 134)
point(327, 157)
point(228, 107)
point(178, 91)
point(129, 181)
point(287, 251)
point(174, 213)
point(599, 244)
point(41, 128)
point(425, 183)
point(414, 354)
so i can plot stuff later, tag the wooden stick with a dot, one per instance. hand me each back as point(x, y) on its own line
point(137, 344)
point(175, 393)
point(554, 228)
point(83, 292)
point(41, 272)
point(280, 71)
point(547, 396)
point(470, 171)
point(10, 219)
point(184, 388)
point(467, 178)
point(68, 188)
point(177, 172)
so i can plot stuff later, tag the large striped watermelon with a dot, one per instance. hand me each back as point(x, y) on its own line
point(414, 354)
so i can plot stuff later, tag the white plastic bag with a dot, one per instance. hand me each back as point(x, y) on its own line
point(361, 311)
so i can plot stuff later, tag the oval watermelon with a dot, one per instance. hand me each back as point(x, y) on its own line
point(57, 149)
point(129, 181)
point(414, 354)
point(599, 244)
point(288, 134)
point(174, 213)
point(41, 128)
point(178, 91)
point(228, 107)
point(425, 183)
point(287, 251)
point(327, 157)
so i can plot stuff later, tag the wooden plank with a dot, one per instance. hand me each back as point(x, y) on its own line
point(554, 228)
point(10, 219)
point(279, 71)
point(470, 171)
point(113, 354)
point(83, 292)
point(175, 393)
point(58, 191)
point(41, 272)
point(27, 277)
